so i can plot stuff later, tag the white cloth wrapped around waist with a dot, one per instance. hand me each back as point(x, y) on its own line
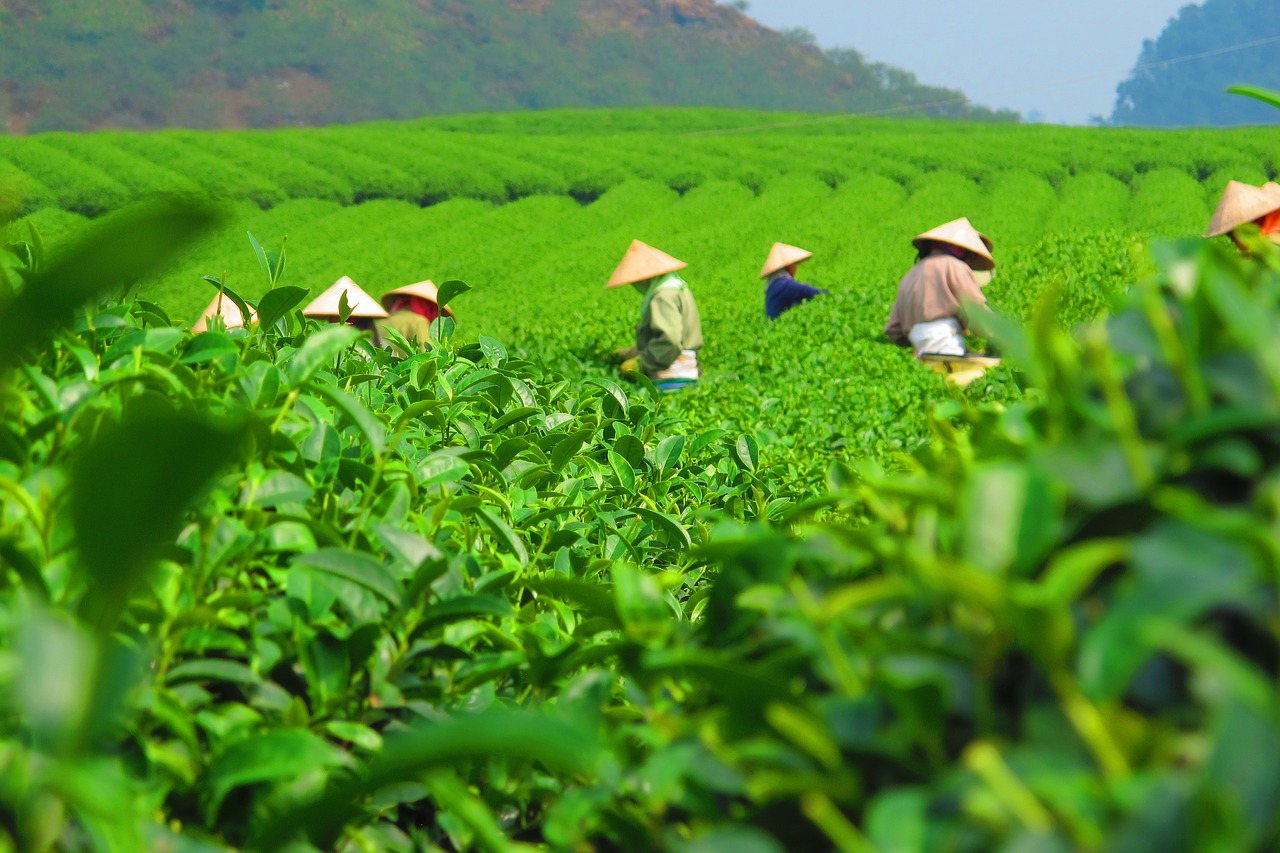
point(684, 367)
point(943, 337)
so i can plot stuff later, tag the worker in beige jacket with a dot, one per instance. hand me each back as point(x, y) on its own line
point(669, 333)
point(937, 296)
point(1243, 204)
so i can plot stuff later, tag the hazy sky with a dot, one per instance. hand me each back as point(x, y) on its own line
point(1064, 59)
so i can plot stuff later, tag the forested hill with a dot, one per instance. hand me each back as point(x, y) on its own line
point(1181, 77)
point(86, 64)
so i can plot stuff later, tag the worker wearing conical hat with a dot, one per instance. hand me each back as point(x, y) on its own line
point(412, 309)
point(1243, 204)
point(937, 296)
point(783, 291)
point(364, 308)
point(669, 333)
point(230, 314)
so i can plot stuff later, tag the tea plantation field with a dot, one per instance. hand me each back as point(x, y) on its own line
point(271, 588)
point(533, 211)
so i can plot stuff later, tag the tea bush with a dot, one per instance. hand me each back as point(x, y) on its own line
point(143, 178)
point(76, 186)
point(274, 586)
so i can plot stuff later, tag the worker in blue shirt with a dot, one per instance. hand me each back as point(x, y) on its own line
point(783, 291)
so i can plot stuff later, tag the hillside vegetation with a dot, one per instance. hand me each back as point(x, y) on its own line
point(82, 64)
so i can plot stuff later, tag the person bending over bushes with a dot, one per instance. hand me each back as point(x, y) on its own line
point(669, 334)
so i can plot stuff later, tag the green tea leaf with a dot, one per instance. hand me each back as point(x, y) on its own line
point(373, 430)
point(595, 598)
point(494, 352)
point(569, 447)
point(1012, 517)
point(362, 736)
point(513, 416)
point(675, 532)
point(277, 488)
point(666, 455)
point(56, 663)
point(441, 468)
point(357, 567)
point(622, 468)
point(464, 607)
point(748, 452)
point(505, 534)
point(449, 290)
point(321, 350)
point(496, 735)
point(210, 346)
point(212, 669)
point(631, 449)
point(277, 303)
point(805, 730)
point(275, 756)
point(613, 389)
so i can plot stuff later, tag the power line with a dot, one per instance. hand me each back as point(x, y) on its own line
point(901, 108)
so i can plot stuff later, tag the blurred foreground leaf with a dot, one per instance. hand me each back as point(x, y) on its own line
point(130, 488)
point(1257, 93)
point(123, 249)
point(510, 735)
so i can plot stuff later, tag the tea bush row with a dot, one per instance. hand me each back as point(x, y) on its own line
point(427, 162)
point(538, 266)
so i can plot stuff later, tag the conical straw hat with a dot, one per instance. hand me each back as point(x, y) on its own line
point(423, 290)
point(641, 262)
point(327, 303)
point(960, 232)
point(782, 256)
point(1242, 203)
point(223, 307)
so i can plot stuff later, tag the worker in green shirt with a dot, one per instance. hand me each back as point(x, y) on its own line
point(669, 334)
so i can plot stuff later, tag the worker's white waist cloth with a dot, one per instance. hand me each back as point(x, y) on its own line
point(684, 367)
point(943, 337)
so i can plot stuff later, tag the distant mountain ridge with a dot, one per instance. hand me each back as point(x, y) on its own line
point(89, 64)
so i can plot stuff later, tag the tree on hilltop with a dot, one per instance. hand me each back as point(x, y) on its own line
point(1173, 85)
